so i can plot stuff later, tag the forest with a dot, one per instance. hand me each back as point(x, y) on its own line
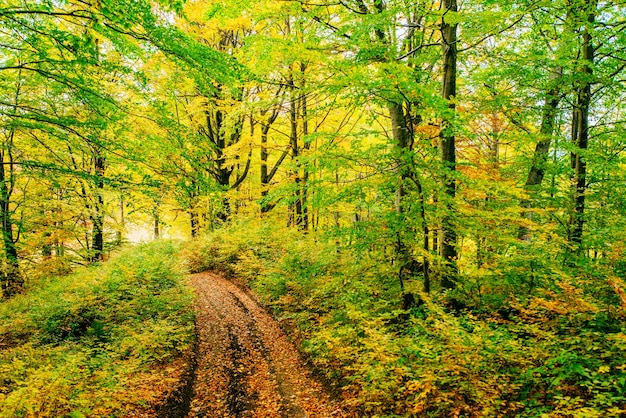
point(429, 196)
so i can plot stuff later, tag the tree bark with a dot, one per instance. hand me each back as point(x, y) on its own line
point(305, 132)
point(295, 152)
point(156, 224)
point(119, 234)
point(59, 248)
point(213, 129)
point(402, 143)
point(448, 146)
point(97, 215)
point(267, 176)
point(12, 282)
point(580, 131)
point(265, 127)
point(402, 133)
point(541, 154)
point(426, 232)
point(194, 224)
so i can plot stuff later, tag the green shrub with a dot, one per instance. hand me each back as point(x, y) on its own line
point(555, 349)
point(85, 344)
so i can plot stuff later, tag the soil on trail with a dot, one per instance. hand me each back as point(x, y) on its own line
point(245, 367)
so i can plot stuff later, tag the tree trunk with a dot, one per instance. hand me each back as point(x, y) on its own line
point(295, 152)
point(119, 234)
point(12, 282)
point(59, 248)
point(426, 231)
point(306, 146)
point(47, 225)
point(580, 132)
point(402, 143)
point(97, 216)
point(193, 223)
point(156, 224)
point(221, 172)
point(448, 146)
point(264, 154)
point(224, 214)
point(541, 154)
point(267, 176)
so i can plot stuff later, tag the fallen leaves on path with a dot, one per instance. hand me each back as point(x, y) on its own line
point(245, 365)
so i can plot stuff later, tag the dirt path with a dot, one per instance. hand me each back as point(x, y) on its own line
point(245, 365)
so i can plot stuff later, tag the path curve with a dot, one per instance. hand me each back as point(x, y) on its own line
point(245, 365)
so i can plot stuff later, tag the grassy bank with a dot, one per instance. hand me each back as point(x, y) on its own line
point(555, 352)
point(100, 342)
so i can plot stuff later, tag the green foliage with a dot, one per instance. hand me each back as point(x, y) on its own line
point(554, 350)
point(343, 101)
point(86, 344)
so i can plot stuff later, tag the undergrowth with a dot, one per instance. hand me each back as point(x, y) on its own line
point(555, 352)
point(99, 342)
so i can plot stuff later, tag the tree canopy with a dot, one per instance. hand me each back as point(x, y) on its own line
point(475, 151)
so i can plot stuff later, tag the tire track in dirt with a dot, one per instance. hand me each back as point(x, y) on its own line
point(246, 368)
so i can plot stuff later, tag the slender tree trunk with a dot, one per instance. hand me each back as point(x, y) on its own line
point(267, 176)
point(336, 214)
point(436, 234)
point(448, 146)
point(402, 133)
point(156, 223)
point(59, 249)
point(224, 214)
point(46, 247)
point(295, 152)
point(541, 154)
point(97, 216)
point(580, 131)
point(306, 146)
point(12, 282)
point(264, 178)
point(194, 223)
point(222, 172)
point(119, 234)
point(402, 143)
point(426, 232)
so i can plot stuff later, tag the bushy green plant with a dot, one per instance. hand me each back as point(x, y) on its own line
point(549, 343)
point(85, 344)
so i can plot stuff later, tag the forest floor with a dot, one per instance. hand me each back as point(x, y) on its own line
point(244, 364)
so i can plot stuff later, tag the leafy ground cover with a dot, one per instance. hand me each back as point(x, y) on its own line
point(555, 351)
point(104, 341)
